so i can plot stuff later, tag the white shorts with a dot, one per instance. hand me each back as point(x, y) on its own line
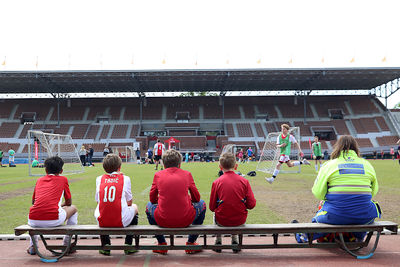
point(11, 158)
point(62, 215)
point(284, 158)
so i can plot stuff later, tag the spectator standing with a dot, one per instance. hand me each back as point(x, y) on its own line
point(158, 150)
point(392, 152)
point(382, 154)
point(170, 204)
point(90, 155)
point(1, 157)
point(82, 155)
point(150, 156)
point(106, 151)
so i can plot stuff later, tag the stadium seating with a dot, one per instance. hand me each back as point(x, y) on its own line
point(246, 117)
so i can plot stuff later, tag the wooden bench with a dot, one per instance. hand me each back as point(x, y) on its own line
point(210, 230)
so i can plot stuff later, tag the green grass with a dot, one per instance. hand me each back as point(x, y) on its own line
point(287, 198)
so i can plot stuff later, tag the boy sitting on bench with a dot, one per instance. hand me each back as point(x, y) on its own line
point(231, 197)
point(48, 210)
point(114, 198)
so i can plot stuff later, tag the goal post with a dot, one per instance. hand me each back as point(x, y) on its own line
point(44, 145)
point(270, 154)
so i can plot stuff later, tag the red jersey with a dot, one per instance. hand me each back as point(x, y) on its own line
point(159, 149)
point(170, 190)
point(47, 197)
point(231, 196)
point(110, 194)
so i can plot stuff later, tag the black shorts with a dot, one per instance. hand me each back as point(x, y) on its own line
point(318, 157)
point(157, 157)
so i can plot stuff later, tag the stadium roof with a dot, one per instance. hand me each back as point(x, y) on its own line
point(195, 80)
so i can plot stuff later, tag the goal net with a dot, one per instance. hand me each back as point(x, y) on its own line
point(269, 155)
point(44, 145)
point(126, 153)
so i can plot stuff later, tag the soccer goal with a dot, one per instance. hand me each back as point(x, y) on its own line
point(269, 155)
point(126, 153)
point(44, 145)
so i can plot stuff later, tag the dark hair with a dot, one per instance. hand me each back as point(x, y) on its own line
point(54, 165)
point(158, 140)
point(171, 158)
point(345, 143)
point(111, 163)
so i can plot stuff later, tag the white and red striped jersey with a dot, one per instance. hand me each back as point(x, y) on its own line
point(112, 193)
point(159, 149)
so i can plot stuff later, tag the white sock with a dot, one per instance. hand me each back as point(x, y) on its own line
point(36, 237)
point(296, 163)
point(276, 171)
point(73, 220)
point(316, 167)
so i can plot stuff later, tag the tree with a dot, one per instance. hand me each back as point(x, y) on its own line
point(397, 106)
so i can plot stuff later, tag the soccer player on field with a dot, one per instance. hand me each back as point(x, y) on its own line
point(11, 154)
point(158, 150)
point(317, 151)
point(48, 210)
point(283, 142)
point(231, 196)
point(114, 198)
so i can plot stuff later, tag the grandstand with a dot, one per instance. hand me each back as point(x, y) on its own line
point(202, 123)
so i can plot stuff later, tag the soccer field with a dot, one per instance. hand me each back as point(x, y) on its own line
point(289, 197)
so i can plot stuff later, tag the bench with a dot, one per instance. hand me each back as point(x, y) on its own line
point(209, 230)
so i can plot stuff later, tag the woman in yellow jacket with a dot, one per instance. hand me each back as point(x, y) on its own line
point(347, 183)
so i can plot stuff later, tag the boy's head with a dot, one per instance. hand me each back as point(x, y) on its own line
point(316, 138)
point(54, 165)
point(158, 141)
point(285, 128)
point(171, 158)
point(112, 163)
point(227, 161)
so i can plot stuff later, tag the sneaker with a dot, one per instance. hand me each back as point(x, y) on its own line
point(235, 250)
point(161, 251)
point(130, 251)
point(270, 179)
point(105, 252)
point(306, 162)
point(218, 242)
point(31, 250)
point(192, 251)
point(301, 238)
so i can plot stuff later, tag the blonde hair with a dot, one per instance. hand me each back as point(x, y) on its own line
point(227, 161)
point(171, 158)
point(287, 127)
point(112, 163)
point(345, 143)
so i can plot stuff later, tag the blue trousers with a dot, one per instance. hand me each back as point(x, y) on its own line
point(200, 208)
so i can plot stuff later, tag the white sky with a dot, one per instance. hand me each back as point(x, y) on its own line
point(113, 35)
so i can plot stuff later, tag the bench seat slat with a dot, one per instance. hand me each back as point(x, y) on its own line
point(209, 229)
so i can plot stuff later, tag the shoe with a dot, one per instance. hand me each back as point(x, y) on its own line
point(130, 251)
point(218, 242)
point(306, 162)
point(161, 251)
point(105, 252)
point(301, 238)
point(235, 250)
point(31, 250)
point(192, 251)
point(270, 179)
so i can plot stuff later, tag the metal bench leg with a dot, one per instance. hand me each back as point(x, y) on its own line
point(50, 259)
point(368, 255)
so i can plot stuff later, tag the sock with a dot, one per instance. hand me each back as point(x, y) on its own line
point(276, 171)
point(73, 220)
point(36, 237)
point(218, 239)
point(297, 163)
point(235, 239)
point(316, 167)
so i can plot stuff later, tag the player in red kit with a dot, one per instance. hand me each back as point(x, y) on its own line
point(231, 196)
point(114, 198)
point(48, 210)
point(158, 151)
point(170, 204)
